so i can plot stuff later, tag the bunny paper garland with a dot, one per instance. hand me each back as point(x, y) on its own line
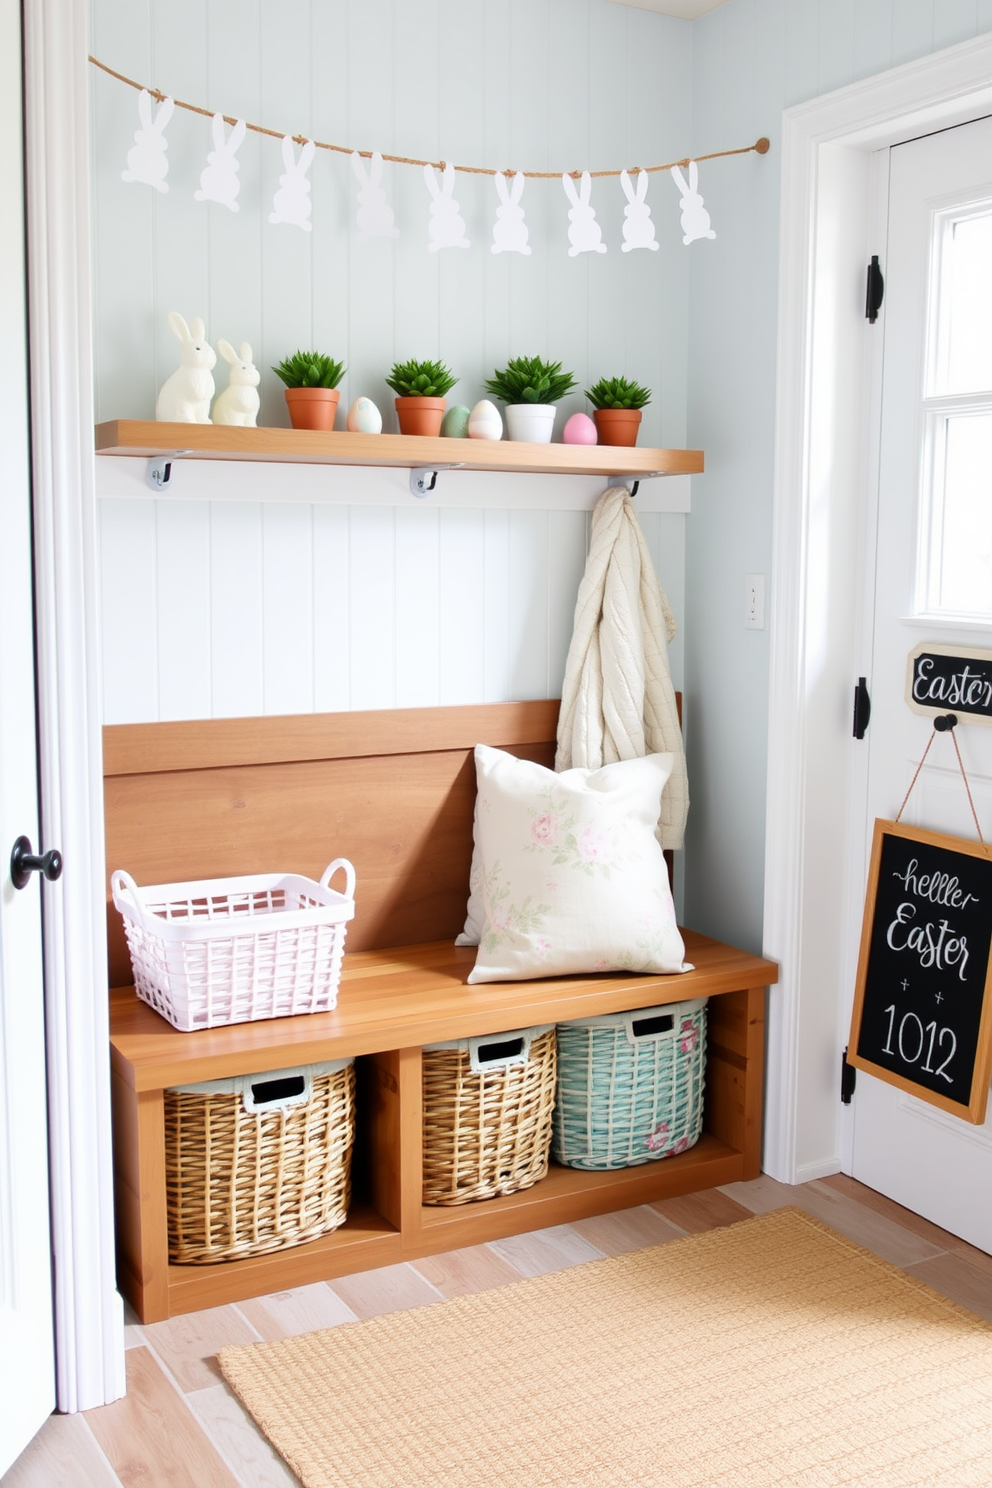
point(375, 215)
point(184, 398)
point(638, 229)
point(219, 177)
point(147, 162)
point(695, 218)
point(583, 231)
point(239, 402)
point(291, 202)
point(447, 229)
point(510, 229)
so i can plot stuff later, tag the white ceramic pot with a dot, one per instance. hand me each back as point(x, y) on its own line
point(532, 422)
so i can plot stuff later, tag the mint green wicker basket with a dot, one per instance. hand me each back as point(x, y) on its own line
point(630, 1086)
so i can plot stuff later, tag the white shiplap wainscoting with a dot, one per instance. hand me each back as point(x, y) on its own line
point(232, 608)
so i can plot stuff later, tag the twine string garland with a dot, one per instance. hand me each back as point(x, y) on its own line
point(760, 147)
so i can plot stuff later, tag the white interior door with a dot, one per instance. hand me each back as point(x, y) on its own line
point(27, 1369)
point(933, 583)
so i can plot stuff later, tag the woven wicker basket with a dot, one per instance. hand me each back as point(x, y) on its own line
point(259, 1162)
point(487, 1114)
point(630, 1086)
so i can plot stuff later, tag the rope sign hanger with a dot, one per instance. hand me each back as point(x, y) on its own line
point(945, 723)
point(760, 147)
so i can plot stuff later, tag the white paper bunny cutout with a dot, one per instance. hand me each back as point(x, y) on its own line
point(291, 202)
point(219, 177)
point(583, 232)
point(447, 229)
point(147, 162)
point(638, 229)
point(184, 398)
point(510, 229)
point(375, 215)
point(695, 218)
point(238, 403)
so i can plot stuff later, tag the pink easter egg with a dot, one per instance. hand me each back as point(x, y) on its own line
point(580, 429)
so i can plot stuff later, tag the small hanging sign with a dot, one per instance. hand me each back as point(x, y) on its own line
point(922, 1017)
point(942, 677)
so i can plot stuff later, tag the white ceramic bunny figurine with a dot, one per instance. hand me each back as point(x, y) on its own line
point(447, 229)
point(147, 162)
point(583, 231)
point(695, 218)
point(238, 403)
point(292, 201)
point(638, 229)
point(509, 229)
point(375, 215)
point(219, 177)
point(184, 398)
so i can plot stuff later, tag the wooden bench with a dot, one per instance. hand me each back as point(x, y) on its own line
point(394, 791)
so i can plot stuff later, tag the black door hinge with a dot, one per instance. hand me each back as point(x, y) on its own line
point(875, 291)
point(862, 708)
point(848, 1079)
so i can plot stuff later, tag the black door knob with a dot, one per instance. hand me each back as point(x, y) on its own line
point(23, 862)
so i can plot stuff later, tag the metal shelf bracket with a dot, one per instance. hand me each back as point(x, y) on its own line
point(158, 469)
point(632, 483)
point(420, 485)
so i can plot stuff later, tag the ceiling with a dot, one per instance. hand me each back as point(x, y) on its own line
point(688, 10)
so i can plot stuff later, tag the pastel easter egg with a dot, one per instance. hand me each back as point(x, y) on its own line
point(579, 429)
point(364, 417)
point(454, 425)
point(484, 421)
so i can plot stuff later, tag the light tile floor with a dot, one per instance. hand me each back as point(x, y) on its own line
point(180, 1427)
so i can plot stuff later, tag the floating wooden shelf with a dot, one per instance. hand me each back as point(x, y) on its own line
point(147, 438)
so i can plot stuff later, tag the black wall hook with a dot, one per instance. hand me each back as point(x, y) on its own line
point(945, 721)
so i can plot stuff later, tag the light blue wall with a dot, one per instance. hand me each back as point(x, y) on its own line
point(752, 59)
point(519, 84)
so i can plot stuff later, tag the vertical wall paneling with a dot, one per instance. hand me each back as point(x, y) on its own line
point(418, 603)
point(331, 610)
point(332, 607)
point(236, 612)
point(129, 608)
point(373, 607)
point(287, 608)
point(528, 604)
point(497, 669)
point(182, 559)
point(461, 606)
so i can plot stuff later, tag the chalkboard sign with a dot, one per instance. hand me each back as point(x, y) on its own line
point(923, 1002)
point(942, 678)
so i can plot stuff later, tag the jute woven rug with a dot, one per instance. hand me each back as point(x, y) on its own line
point(770, 1353)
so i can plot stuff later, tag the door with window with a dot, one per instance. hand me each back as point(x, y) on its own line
point(933, 582)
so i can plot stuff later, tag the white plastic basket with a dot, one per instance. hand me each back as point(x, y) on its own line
point(231, 950)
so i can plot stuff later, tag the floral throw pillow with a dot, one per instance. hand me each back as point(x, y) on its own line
point(568, 875)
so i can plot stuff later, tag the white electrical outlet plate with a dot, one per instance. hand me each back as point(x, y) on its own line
point(754, 601)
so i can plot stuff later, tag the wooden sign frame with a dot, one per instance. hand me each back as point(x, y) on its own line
point(974, 1108)
point(970, 694)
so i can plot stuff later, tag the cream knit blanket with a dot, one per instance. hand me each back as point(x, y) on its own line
point(617, 699)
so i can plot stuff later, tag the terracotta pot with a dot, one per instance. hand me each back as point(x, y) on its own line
point(420, 415)
point(617, 425)
point(312, 408)
point(533, 423)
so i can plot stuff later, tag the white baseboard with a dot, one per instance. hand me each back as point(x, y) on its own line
point(825, 1168)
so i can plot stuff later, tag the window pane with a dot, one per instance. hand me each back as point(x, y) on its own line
point(965, 311)
point(961, 556)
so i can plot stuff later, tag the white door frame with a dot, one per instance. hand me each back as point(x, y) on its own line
point(89, 1334)
point(822, 530)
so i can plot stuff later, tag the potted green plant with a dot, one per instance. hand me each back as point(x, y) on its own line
point(420, 388)
point(530, 388)
point(312, 392)
point(617, 406)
